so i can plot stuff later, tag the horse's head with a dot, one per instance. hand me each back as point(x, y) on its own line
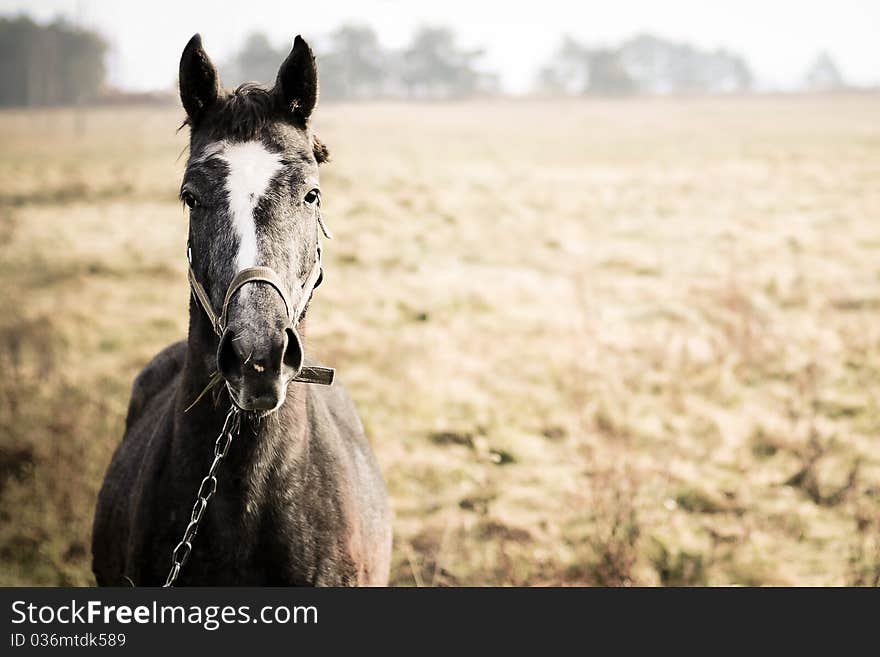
point(251, 186)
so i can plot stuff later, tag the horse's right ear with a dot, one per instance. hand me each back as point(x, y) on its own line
point(199, 83)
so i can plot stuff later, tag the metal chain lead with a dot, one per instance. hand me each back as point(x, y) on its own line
point(207, 488)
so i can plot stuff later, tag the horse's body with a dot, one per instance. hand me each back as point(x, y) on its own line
point(300, 499)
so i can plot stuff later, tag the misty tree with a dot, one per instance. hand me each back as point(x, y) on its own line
point(577, 69)
point(662, 66)
point(569, 70)
point(257, 61)
point(608, 75)
point(433, 66)
point(824, 75)
point(644, 64)
point(52, 64)
point(354, 65)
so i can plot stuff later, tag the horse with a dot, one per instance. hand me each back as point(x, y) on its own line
point(298, 499)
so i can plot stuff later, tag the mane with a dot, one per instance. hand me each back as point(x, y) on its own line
point(245, 112)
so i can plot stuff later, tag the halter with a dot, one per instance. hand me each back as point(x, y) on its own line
point(307, 373)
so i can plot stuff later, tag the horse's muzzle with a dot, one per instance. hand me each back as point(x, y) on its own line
point(258, 364)
point(260, 351)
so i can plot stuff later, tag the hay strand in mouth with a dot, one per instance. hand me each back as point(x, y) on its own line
point(216, 378)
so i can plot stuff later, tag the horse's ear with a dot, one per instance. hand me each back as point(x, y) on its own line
point(199, 83)
point(297, 83)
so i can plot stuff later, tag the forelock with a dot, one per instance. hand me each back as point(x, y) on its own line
point(245, 114)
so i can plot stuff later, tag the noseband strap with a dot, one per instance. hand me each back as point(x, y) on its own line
point(308, 373)
point(254, 275)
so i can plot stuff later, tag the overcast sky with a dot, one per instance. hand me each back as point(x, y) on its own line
point(778, 37)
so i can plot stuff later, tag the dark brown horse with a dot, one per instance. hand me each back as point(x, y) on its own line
point(300, 499)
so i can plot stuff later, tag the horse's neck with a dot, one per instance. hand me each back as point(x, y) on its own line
point(262, 448)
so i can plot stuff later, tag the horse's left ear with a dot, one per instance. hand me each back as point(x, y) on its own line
point(297, 83)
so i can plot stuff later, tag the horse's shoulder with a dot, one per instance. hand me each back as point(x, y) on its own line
point(342, 448)
point(156, 376)
point(334, 421)
point(126, 483)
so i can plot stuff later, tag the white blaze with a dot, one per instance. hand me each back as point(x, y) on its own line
point(251, 169)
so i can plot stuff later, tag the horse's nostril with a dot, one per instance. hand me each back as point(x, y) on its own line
point(250, 359)
point(228, 362)
point(293, 351)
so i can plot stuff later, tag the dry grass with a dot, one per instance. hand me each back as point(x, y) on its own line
point(618, 343)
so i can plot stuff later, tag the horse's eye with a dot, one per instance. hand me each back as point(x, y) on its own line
point(312, 196)
point(190, 200)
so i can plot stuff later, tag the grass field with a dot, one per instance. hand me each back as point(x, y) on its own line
point(593, 342)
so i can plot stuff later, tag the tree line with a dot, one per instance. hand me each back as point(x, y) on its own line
point(355, 65)
point(60, 63)
point(54, 64)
